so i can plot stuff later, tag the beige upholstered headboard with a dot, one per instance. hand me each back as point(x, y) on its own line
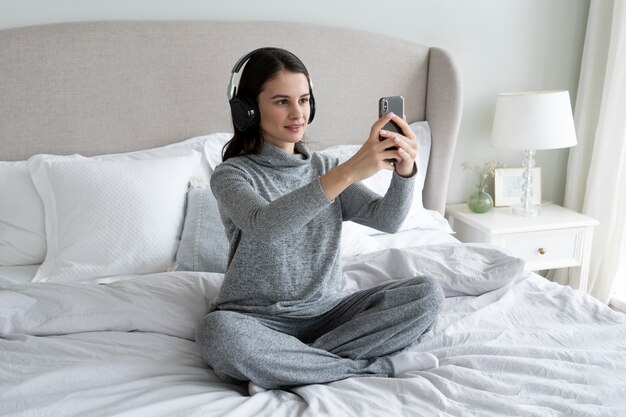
point(102, 87)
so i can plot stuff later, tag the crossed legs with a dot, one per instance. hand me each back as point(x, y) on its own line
point(356, 338)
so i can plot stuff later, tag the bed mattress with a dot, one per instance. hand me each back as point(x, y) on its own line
point(509, 342)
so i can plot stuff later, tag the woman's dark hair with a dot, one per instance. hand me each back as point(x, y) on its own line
point(260, 68)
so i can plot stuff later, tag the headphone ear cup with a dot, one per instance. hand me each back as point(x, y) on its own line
point(245, 113)
point(312, 107)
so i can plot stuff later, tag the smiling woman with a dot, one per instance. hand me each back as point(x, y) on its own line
point(284, 109)
point(262, 68)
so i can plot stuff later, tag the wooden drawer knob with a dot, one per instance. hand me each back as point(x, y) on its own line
point(542, 251)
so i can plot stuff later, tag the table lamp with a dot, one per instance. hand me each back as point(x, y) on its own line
point(530, 121)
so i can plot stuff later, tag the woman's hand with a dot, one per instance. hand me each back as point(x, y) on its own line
point(373, 156)
point(406, 144)
point(377, 150)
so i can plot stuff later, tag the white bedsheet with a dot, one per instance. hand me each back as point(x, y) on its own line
point(520, 346)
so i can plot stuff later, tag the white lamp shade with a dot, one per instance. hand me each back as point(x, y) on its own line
point(534, 120)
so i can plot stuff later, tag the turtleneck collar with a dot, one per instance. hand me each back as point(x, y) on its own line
point(272, 155)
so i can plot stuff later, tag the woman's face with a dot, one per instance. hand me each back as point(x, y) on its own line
point(284, 109)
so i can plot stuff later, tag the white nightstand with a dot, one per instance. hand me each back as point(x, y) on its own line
point(557, 238)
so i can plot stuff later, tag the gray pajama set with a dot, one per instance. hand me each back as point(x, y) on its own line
point(280, 318)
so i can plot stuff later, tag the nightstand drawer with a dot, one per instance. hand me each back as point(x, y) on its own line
point(546, 249)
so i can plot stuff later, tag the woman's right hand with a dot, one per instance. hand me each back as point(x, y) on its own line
point(374, 154)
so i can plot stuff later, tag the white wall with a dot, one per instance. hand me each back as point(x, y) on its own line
point(500, 45)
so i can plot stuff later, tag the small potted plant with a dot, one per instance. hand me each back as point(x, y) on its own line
point(480, 201)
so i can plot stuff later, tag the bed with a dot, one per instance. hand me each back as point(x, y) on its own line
point(111, 250)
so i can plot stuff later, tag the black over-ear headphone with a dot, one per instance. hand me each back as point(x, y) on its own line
point(244, 110)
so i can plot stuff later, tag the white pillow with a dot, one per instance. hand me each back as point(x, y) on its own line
point(22, 239)
point(22, 234)
point(354, 241)
point(110, 217)
point(213, 149)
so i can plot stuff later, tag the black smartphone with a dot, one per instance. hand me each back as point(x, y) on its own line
point(394, 104)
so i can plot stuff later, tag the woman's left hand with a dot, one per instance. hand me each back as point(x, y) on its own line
point(407, 146)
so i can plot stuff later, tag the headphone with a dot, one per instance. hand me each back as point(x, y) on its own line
point(245, 110)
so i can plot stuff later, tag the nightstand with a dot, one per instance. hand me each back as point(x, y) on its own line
point(557, 238)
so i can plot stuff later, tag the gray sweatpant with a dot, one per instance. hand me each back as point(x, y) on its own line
point(352, 339)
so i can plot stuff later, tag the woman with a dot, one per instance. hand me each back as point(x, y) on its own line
point(280, 319)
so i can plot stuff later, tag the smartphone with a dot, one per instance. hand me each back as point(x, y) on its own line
point(393, 104)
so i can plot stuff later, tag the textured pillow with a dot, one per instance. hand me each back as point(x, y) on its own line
point(22, 234)
point(199, 144)
point(203, 245)
point(22, 238)
point(110, 217)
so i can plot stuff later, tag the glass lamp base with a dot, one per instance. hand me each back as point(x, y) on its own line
point(526, 211)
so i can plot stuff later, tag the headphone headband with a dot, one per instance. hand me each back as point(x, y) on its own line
point(232, 90)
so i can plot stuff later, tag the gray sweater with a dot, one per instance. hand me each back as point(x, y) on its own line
point(285, 234)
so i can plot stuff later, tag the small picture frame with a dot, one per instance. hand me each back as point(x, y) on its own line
point(508, 186)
